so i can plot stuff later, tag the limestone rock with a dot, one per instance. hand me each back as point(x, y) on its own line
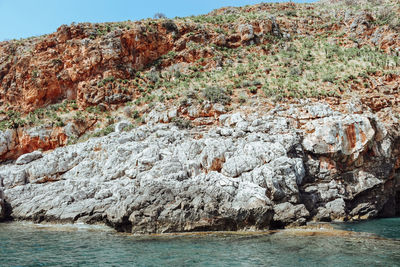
point(29, 157)
point(270, 26)
point(287, 213)
point(235, 166)
point(361, 22)
point(251, 173)
point(122, 125)
point(71, 130)
point(7, 141)
point(334, 210)
point(338, 135)
point(246, 32)
point(16, 142)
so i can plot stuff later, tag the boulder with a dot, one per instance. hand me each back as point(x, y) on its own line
point(246, 32)
point(122, 125)
point(270, 26)
point(333, 211)
point(287, 213)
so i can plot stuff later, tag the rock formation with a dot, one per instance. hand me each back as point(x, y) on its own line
point(257, 117)
point(251, 172)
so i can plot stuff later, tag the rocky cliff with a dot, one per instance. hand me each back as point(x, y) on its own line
point(257, 171)
point(245, 118)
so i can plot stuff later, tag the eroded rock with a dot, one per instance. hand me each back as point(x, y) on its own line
point(347, 135)
point(251, 173)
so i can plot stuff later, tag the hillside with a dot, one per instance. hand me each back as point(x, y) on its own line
point(273, 114)
point(88, 76)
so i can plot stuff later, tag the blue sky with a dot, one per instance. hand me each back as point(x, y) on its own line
point(24, 18)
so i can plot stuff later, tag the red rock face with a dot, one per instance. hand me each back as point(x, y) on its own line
point(351, 136)
point(22, 142)
point(69, 63)
point(59, 66)
point(72, 62)
point(28, 143)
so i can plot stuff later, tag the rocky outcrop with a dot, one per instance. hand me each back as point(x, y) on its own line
point(211, 149)
point(16, 142)
point(100, 67)
point(251, 172)
point(62, 65)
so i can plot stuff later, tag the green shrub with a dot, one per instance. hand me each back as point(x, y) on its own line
point(253, 89)
point(105, 131)
point(182, 123)
point(170, 26)
point(329, 77)
point(108, 79)
point(217, 95)
point(12, 121)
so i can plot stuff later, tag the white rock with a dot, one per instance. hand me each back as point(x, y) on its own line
point(29, 157)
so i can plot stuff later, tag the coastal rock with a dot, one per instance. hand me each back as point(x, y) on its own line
point(262, 173)
point(333, 211)
point(287, 213)
point(16, 142)
point(235, 166)
point(7, 141)
point(243, 118)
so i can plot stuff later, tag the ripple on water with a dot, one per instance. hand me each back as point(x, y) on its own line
point(27, 245)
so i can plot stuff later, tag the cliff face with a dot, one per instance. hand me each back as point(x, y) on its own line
point(227, 132)
point(81, 63)
point(279, 52)
point(259, 171)
point(69, 64)
point(59, 66)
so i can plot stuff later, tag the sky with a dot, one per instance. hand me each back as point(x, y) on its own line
point(25, 18)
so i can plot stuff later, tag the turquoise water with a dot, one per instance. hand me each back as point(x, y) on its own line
point(388, 227)
point(30, 245)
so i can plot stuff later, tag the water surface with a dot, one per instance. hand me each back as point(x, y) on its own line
point(388, 227)
point(30, 245)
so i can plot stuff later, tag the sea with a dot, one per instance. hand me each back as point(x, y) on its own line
point(367, 243)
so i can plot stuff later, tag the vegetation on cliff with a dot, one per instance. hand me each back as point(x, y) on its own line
point(89, 76)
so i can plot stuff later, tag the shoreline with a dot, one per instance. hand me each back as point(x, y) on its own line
point(323, 229)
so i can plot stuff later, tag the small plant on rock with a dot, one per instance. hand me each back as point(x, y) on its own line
point(170, 26)
point(182, 123)
point(217, 95)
